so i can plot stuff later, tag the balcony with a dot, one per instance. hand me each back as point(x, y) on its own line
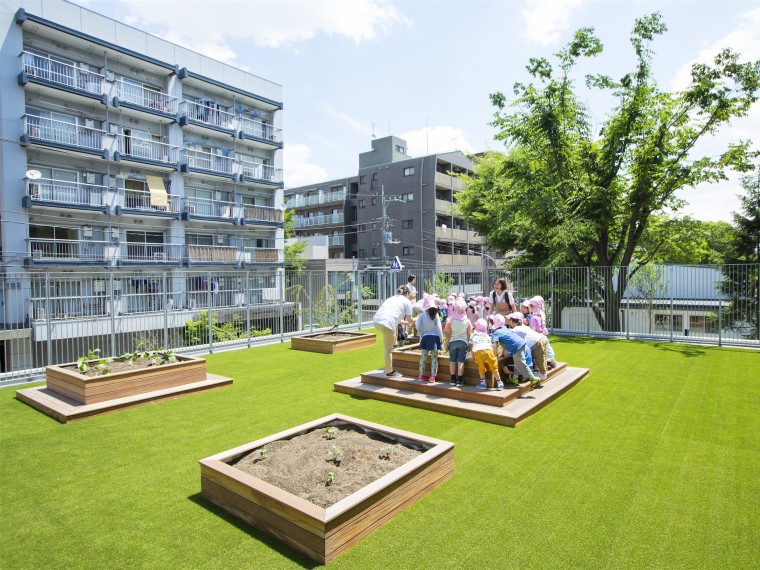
point(459, 260)
point(65, 194)
point(145, 151)
point(303, 201)
point(143, 98)
point(260, 255)
point(207, 116)
point(262, 215)
point(451, 234)
point(320, 220)
point(63, 135)
point(260, 131)
point(150, 253)
point(44, 70)
point(208, 163)
point(448, 181)
point(255, 172)
point(443, 207)
point(66, 251)
point(220, 254)
point(336, 241)
point(141, 202)
point(212, 209)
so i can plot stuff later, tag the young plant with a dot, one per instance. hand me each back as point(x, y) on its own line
point(330, 478)
point(262, 454)
point(330, 432)
point(84, 366)
point(387, 450)
point(335, 454)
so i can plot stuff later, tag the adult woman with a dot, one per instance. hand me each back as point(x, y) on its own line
point(394, 311)
point(502, 301)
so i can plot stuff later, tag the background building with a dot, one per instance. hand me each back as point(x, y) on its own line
point(395, 205)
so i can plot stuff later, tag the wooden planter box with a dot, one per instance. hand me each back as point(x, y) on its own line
point(332, 342)
point(322, 534)
point(92, 389)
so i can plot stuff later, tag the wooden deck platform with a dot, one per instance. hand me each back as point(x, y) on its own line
point(506, 407)
point(66, 410)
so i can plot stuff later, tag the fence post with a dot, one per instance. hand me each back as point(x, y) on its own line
point(671, 319)
point(210, 311)
point(246, 291)
point(360, 297)
point(588, 301)
point(309, 298)
point(281, 275)
point(720, 322)
point(551, 297)
point(627, 316)
point(335, 298)
point(113, 314)
point(166, 311)
point(48, 324)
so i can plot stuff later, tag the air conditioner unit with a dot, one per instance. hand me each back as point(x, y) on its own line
point(89, 178)
point(159, 256)
point(34, 190)
point(191, 209)
point(39, 314)
point(191, 162)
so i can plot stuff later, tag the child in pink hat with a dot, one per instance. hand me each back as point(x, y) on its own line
point(456, 336)
point(431, 336)
point(482, 351)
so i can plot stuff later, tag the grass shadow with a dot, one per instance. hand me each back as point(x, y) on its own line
point(273, 543)
point(687, 350)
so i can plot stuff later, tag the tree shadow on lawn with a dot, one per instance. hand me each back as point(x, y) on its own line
point(687, 350)
point(255, 533)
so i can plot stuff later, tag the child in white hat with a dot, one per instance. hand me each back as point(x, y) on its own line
point(431, 337)
point(482, 351)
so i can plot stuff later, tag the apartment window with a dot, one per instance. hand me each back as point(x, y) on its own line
point(399, 149)
point(362, 180)
point(374, 252)
point(362, 253)
point(408, 197)
point(409, 170)
point(374, 201)
point(408, 250)
point(374, 176)
point(361, 204)
point(407, 224)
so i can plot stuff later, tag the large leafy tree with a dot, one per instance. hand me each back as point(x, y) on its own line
point(564, 193)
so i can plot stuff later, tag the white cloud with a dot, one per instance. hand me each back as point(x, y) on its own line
point(745, 40)
point(431, 140)
point(356, 124)
point(298, 168)
point(208, 27)
point(545, 20)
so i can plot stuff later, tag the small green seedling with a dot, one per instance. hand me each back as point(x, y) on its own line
point(387, 450)
point(330, 432)
point(330, 478)
point(262, 454)
point(335, 454)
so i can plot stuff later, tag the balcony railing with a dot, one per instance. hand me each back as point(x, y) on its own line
point(42, 249)
point(134, 147)
point(212, 208)
point(300, 200)
point(212, 253)
point(208, 115)
point(63, 132)
point(260, 130)
point(146, 97)
point(320, 220)
point(66, 192)
point(262, 214)
point(197, 159)
point(260, 171)
point(146, 202)
point(261, 255)
point(45, 68)
point(335, 241)
point(151, 252)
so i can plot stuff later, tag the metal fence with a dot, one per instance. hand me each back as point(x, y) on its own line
point(56, 317)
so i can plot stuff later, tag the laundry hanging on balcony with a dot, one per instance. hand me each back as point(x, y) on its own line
point(158, 196)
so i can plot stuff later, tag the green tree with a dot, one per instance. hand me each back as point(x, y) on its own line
point(649, 285)
point(441, 285)
point(566, 192)
point(293, 253)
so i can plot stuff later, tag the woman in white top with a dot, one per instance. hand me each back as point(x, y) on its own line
point(502, 301)
point(395, 310)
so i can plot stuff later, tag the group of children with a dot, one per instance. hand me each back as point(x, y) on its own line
point(461, 326)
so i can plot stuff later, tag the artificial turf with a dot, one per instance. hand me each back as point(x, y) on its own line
point(653, 461)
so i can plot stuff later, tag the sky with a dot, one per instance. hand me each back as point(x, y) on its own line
point(423, 70)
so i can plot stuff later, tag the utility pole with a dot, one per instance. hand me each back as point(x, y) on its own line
point(385, 226)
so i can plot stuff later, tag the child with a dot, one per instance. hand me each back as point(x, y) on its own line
point(537, 322)
point(442, 309)
point(536, 341)
point(429, 329)
point(456, 337)
point(525, 309)
point(515, 345)
point(485, 357)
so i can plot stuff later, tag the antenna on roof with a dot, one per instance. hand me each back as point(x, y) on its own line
point(373, 130)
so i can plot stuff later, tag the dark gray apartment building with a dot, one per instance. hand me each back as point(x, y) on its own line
point(403, 203)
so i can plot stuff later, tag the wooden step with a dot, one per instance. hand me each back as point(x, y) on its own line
point(510, 414)
point(467, 393)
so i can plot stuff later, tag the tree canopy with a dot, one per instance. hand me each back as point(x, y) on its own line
point(564, 192)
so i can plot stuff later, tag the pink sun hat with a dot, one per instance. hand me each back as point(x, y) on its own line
point(516, 316)
point(428, 302)
point(481, 325)
point(498, 321)
point(458, 310)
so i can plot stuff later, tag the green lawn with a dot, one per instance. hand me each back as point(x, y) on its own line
point(653, 461)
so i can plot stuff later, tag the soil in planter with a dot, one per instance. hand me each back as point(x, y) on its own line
point(301, 465)
point(116, 366)
point(334, 337)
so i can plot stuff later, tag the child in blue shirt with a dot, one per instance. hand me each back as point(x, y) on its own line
point(513, 344)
